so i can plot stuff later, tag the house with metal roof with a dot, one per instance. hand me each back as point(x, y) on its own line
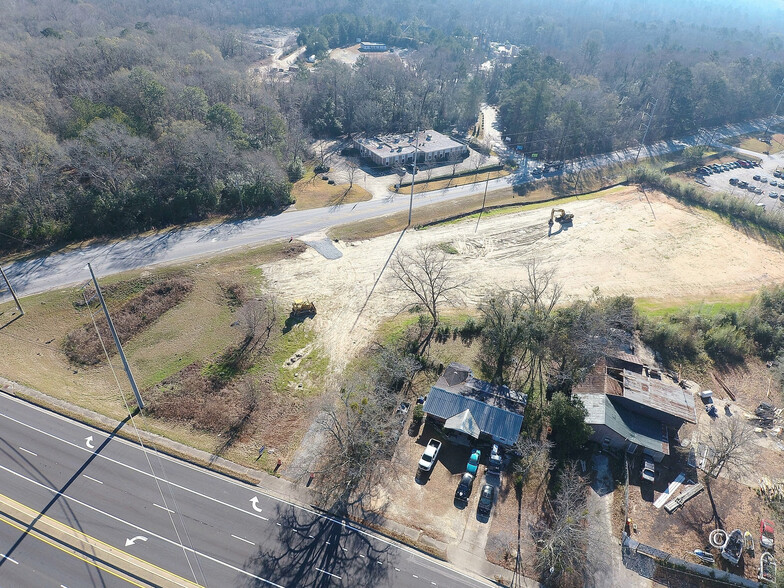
point(475, 408)
point(619, 428)
point(632, 405)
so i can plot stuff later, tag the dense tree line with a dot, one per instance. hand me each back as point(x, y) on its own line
point(114, 130)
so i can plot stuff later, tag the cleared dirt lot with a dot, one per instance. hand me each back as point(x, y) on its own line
point(627, 244)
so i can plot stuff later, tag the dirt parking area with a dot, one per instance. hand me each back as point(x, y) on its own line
point(654, 248)
point(429, 503)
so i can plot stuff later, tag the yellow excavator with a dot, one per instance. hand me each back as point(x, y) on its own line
point(302, 307)
point(560, 216)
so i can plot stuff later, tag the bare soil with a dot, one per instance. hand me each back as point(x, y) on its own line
point(625, 243)
point(687, 529)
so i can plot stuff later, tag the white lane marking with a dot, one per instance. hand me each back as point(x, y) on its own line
point(360, 555)
point(28, 451)
point(204, 471)
point(89, 442)
point(143, 472)
point(245, 540)
point(9, 559)
point(133, 540)
point(328, 574)
point(93, 479)
point(138, 528)
point(164, 508)
point(255, 502)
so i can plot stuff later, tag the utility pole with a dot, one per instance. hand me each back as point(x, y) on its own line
point(484, 199)
point(413, 175)
point(136, 393)
point(19, 306)
point(647, 127)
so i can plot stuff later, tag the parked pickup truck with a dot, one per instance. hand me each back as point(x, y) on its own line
point(429, 455)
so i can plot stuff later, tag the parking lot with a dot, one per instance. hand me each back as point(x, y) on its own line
point(761, 183)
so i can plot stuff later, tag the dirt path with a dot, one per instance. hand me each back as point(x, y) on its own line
point(605, 567)
point(620, 243)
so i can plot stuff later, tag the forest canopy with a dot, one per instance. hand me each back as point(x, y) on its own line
point(125, 116)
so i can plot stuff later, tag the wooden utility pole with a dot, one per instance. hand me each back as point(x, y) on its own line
point(19, 306)
point(136, 392)
point(413, 174)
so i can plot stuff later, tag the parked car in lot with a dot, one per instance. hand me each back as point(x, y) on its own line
point(486, 500)
point(429, 455)
point(463, 491)
point(773, 195)
point(764, 180)
point(733, 181)
point(756, 178)
point(473, 462)
point(781, 197)
point(777, 174)
point(743, 184)
point(647, 471)
point(774, 183)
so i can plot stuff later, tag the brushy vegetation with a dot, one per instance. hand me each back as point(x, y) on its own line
point(696, 336)
point(83, 347)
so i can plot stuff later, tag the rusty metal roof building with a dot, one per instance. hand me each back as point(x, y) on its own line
point(659, 396)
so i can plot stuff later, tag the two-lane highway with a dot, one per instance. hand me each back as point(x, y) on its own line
point(202, 527)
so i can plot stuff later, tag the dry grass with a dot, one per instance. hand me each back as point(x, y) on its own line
point(197, 330)
point(504, 201)
point(313, 192)
point(752, 143)
point(83, 346)
point(441, 183)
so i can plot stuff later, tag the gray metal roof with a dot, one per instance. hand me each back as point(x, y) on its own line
point(644, 431)
point(502, 425)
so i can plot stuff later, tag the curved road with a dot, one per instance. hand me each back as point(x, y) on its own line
point(39, 274)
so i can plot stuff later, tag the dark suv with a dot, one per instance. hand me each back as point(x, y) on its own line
point(486, 500)
point(464, 487)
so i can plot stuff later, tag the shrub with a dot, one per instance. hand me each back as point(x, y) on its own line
point(419, 413)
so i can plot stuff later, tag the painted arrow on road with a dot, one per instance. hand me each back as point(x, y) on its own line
point(255, 502)
point(89, 442)
point(129, 542)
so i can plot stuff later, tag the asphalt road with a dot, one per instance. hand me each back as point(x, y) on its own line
point(202, 526)
point(42, 273)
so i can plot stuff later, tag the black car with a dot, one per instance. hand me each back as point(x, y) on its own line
point(464, 487)
point(486, 500)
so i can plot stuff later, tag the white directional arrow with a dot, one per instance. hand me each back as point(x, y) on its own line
point(255, 502)
point(129, 542)
point(89, 442)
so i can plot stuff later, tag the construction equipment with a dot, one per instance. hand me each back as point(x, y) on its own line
point(303, 307)
point(562, 218)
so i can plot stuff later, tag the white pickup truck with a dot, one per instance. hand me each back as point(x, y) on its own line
point(429, 455)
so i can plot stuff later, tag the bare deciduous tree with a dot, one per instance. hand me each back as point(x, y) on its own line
point(729, 443)
point(534, 459)
point(562, 543)
point(257, 318)
point(362, 430)
point(426, 274)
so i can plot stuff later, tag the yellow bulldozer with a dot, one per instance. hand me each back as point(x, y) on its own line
point(302, 307)
point(560, 216)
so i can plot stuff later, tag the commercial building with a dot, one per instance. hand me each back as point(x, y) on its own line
point(429, 146)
